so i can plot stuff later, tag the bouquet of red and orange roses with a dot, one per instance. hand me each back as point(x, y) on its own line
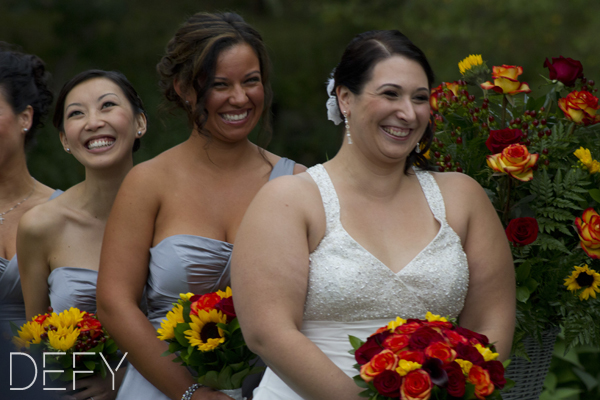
point(427, 359)
point(536, 155)
point(204, 331)
point(72, 343)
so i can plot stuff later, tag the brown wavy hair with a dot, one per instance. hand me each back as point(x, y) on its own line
point(191, 57)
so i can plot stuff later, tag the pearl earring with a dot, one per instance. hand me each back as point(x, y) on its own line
point(68, 150)
point(139, 133)
point(347, 127)
point(25, 130)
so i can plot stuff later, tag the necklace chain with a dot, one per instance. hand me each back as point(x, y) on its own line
point(16, 205)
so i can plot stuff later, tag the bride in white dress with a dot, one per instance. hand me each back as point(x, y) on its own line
point(369, 235)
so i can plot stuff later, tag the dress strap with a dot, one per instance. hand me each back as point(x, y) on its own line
point(328, 194)
point(284, 166)
point(433, 194)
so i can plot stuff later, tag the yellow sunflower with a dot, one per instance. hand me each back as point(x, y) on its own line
point(226, 294)
point(468, 63)
point(204, 332)
point(396, 323)
point(167, 326)
point(432, 317)
point(586, 279)
point(63, 338)
point(30, 333)
point(585, 159)
point(487, 353)
point(67, 318)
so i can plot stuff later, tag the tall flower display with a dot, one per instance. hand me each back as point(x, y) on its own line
point(536, 157)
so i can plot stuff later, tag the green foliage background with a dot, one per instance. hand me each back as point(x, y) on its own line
point(305, 39)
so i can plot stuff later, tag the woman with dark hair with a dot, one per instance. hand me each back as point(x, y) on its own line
point(368, 236)
point(176, 217)
point(24, 101)
point(100, 119)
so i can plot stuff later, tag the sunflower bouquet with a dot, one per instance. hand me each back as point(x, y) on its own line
point(205, 334)
point(72, 344)
point(536, 157)
point(429, 358)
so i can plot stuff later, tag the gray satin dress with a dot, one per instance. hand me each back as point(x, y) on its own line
point(182, 264)
point(12, 306)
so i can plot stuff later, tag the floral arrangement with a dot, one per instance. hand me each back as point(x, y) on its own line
point(427, 359)
point(70, 331)
point(205, 333)
point(536, 157)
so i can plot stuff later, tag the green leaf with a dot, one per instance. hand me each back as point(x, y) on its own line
point(360, 382)
point(523, 271)
point(523, 294)
point(595, 194)
point(550, 381)
point(91, 365)
point(211, 379)
point(224, 378)
point(102, 370)
point(111, 347)
point(355, 342)
point(238, 378)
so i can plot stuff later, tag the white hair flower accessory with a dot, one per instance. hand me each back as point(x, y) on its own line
point(333, 112)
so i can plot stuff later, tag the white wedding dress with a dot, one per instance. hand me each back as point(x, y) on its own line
point(351, 292)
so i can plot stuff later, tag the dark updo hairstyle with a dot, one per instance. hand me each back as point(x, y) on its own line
point(116, 77)
point(356, 69)
point(24, 82)
point(191, 60)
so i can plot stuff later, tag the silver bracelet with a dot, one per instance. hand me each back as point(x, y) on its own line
point(188, 393)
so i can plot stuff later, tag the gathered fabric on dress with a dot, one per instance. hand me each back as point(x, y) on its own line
point(182, 264)
point(12, 305)
point(72, 287)
point(351, 292)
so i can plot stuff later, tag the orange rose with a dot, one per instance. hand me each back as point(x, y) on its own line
point(441, 351)
point(505, 80)
point(90, 326)
point(204, 302)
point(580, 107)
point(588, 229)
point(515, 160)
point(396, 342)
point(416, 386)
point(386, 360)
point(481, 379)
point(438, 92)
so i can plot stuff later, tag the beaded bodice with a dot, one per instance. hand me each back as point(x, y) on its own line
point(347, 283)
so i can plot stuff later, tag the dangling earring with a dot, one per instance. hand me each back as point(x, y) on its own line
point(418, 148)
point(347, 127)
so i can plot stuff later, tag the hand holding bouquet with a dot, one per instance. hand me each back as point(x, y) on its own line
point(427, 359)
point(204, 331)
point(72, 343)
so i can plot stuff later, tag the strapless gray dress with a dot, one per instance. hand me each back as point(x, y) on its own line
point(72, 287)
point(12, 306)
point(182, 264)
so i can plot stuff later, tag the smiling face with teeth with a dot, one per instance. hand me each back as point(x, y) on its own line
point(391, 113)
point(99, 123)
point(236, 100)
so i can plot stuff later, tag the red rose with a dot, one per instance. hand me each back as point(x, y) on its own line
point(396, 342)
point(388, 383)
point(455, 337)
point(226, 307)
point(442, 351)
point(496, 371)
point(386, 360)
point(368, 350)
point(41, 318)
point(416, 385)
point(204, 302)
point(90, 326)
point(469, 353)
point(456, 380)
point(502, 138)
point(423, 337)
point(481, 379)
point(412, 355)
point(473, 337)
point(522, 231)
point(565, 70)
point(580, 107)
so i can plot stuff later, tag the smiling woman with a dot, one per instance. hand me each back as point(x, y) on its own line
point(176, 217)
point(99, 117)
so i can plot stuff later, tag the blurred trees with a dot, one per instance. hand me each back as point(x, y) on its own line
point(305, 39)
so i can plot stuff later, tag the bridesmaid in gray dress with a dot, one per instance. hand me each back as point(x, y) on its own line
point(24, 100)
point(175, 219)
point(100, 119)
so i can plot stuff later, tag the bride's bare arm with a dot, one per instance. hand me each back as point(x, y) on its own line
point(121, 280)
point(269, 282)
